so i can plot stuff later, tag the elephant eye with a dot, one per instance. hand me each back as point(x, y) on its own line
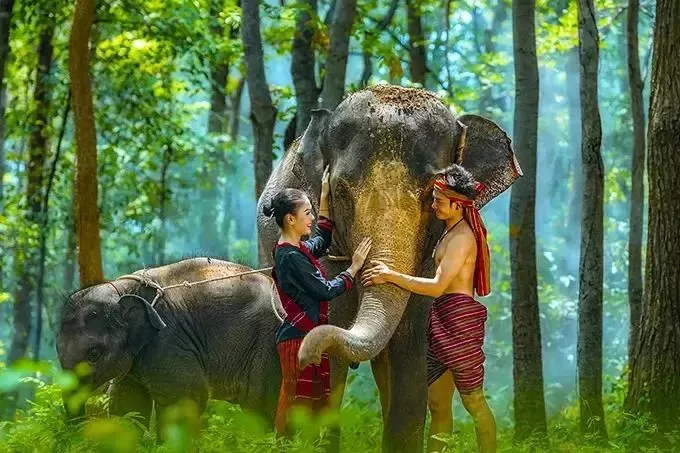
point(94, 353)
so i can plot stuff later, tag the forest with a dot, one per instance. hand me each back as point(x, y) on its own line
point(139, 133)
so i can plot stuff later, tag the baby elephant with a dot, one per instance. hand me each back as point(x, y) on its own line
point(209, 340)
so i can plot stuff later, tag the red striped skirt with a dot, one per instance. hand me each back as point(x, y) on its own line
point(455, 334)
point(306, 388)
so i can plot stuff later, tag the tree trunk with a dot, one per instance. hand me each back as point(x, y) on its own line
point(71, 242)
point(417, 44)
point(236, 109)
point(28, 264)
point(162, 209)
point(637, 179)
point(262, 110)
point(589, 353)
point(44, 231)
point(336, 64)
point(575, 207)
point(526, 329)
point(655, 370)
point(375, 34)
point(5, 22)
point(87, 212)
point(303, 65)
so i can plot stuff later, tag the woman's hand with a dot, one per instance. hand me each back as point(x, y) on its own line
point(360, 254)
point(376, 275)
point(325, 183)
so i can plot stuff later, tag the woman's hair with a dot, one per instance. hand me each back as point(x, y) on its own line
point(287, 201)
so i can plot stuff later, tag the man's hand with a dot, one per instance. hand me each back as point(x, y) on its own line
point(376, 275)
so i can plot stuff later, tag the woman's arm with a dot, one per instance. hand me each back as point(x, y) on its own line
point(301, 273)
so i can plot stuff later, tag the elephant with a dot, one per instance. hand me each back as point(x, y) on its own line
point(209, 340)
point(383, 145)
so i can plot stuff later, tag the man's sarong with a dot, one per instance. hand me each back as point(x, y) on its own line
point(309, 387)
point(455, 334)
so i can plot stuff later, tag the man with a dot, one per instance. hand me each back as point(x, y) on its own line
point(456, 325)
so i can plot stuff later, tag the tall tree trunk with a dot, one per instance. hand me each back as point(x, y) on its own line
point(500, 14)
point(655, 372)
point(44, 231)
point(373, 35)
point(303, 65)
point(417, 44)
point(526, 329)
point(87, 212)
point(27, 265)
point(236, 109)
point(589, 353)
point(161, 238)
point(6, 7)
point(637, 179)
point(71, 241)
point(575, 206)
point(338, 51)
point(262, 110)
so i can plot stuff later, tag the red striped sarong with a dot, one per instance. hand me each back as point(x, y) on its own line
point(307, 388)
point(455, 334)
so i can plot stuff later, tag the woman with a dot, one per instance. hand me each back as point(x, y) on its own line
point(304, 291)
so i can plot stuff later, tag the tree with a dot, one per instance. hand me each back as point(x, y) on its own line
point(6, 7)
point(589, 349)
point(262, 110)
point(655, 368)
point(336, 63)
point(303, 65)
point(87, 212)
point(26, 260)
point(417, 44)
point(638, 174)
point(526, 329)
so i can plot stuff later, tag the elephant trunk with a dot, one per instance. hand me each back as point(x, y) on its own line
point(379, 314)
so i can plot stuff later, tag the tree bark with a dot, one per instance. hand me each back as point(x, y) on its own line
point(303, 65)
point(589, 351)
point(236, 109)
point(375, 34)
point(637, 176)
point(575, 207)
point(6, 7)
point(262, 110)
point(336, 63)
point(655, 370)
point(26, 261)
point(44, 231)
point(417, 44)
point(87, 212)
point(526, 329)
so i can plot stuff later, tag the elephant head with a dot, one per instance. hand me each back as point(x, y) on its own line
point(103, 331)
point(384, 144)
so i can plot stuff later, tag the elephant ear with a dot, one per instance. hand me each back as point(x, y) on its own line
point(485, 150)
point(143, 321)
point(309, 150)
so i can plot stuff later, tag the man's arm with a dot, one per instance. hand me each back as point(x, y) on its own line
point(457, 250)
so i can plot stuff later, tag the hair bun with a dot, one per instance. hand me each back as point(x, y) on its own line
point(268, 211)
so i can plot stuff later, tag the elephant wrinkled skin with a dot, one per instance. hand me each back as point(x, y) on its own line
point(214, 339)
point(383, 145)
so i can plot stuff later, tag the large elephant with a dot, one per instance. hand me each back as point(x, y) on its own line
point(384, 144)
point(214, 339)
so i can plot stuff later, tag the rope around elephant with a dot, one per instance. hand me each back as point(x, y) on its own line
point(160, 290)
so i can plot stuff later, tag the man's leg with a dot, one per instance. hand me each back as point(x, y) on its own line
point(485, 424)
point(439, 398)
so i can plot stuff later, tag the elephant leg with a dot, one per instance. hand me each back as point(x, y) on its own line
point(401, 372)
point(339, 370)
point(181, 405)
point(128, 396)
